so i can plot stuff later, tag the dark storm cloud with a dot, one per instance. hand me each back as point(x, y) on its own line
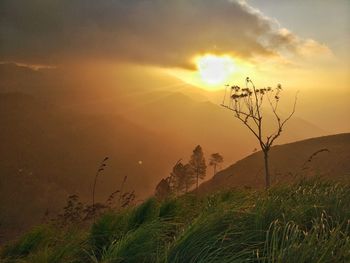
point(158, 32)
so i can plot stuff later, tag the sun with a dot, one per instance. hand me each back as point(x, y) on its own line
point(215, 70)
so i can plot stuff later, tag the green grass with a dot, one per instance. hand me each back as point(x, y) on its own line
point(110, 227)
point(30, 242)
point(305, 222)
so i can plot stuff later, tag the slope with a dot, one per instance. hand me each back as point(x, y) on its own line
point(287, 162)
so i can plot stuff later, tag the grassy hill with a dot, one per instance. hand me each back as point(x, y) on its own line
point(308, 221)
point(287, 162)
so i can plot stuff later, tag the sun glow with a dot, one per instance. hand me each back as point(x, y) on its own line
point(215, 70)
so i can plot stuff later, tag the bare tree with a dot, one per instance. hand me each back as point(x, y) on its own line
point(246, 104)
point(215, 160)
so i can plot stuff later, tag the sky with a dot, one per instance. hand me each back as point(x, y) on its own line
point(325, 21)
point(168, 33)
point(206, 43)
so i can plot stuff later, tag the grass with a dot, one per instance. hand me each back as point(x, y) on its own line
point(305, 222)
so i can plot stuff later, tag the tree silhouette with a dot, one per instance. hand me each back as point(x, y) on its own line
point(181, 179)
point(246, 104)
point(163, 189)
point(177, 178)
point(184, 177)
point(189, 177)
point(215, 160)
point(197, 163)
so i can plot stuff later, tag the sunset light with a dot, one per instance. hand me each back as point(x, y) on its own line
point(175, 131)
point(215, 70)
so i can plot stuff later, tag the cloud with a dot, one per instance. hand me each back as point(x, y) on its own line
point(156, 32)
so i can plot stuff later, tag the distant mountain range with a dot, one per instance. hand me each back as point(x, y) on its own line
point(54, 130)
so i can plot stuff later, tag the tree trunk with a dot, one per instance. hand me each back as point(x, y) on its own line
point(214, 169)
point(267, 173)
point(197, 183)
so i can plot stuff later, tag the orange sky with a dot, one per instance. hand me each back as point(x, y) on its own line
point(303, 46)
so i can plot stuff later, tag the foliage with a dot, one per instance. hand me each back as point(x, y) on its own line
point(145, 244)
point(110, 227)
point(197, 162)
point(146, 212)
point(215, 160)
point(308, 221)
point(182, 178)
point(75, 212)
point(28, 243)
point(163, 189)
point(180, 181)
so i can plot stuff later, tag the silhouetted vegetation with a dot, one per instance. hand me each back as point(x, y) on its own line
point(246, 104)
point(76, 212)
point(197, 163)
point(184, 176)
point(215, 160)
point(180, 181)
point(304, 222)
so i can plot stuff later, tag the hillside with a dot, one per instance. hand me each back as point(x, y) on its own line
point(287, 162)
point(304, 222)
point(57, 124)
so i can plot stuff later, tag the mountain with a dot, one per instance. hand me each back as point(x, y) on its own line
point(48, 153)
point(186, 114)
point(208, 124)
point(327, 156)
point(56, 125)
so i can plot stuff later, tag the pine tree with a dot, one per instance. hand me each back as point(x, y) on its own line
point(215, 160)
point(163, 189)
point(182, 178)
point(189, 178)
point(197, 163)
point(178, 178)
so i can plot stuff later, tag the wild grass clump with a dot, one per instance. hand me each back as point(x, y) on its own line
point(325, 241)
point(271, 227)
point(303, 202)
point(64, 247)
point(46, 243)
point(28, 243)
point(181, 210)
point(305, 222)
point(110, 227)
point(113, 230)
point(148, 243)
point(146, 212)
